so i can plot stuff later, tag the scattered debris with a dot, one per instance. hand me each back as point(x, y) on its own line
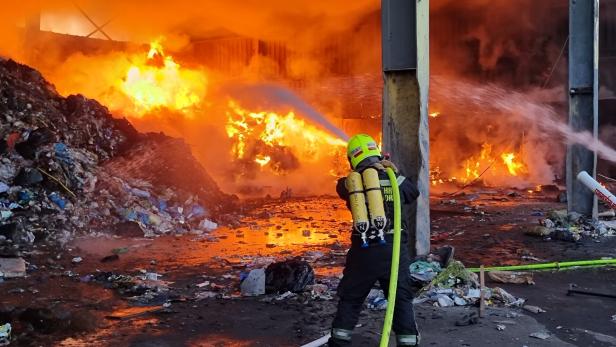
point(500, 327)
point(456, 286)
point(12, 267)
point(511, 277)
point(424, 271)
point(5, 334)
point(509, 300)
point(285, 295)
point(202, 284)
point(206, 295)
point(320, 291)
point(445, 301)
point(376, 300)
point(254, 283)
point(77, 260)
point(533, 309)
point(144, 288)
point(290, 275)
point(571, 227)
point(540, 335)
point(538, 230)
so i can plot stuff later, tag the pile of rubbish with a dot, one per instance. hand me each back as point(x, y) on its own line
point(456, 286)
point(68, 167)
point(446, 282)
point(571, 227)
point(144, 288)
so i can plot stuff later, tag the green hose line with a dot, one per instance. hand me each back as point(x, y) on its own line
point(552, 265)
point(395, 261)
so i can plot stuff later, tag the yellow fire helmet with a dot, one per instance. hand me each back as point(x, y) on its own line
point(360, 147)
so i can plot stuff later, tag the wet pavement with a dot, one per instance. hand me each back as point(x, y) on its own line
point(484, 228)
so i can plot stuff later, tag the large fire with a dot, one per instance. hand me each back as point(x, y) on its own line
point(485, 164)
point(273, 140)
point(160, 93)
point(157, 81)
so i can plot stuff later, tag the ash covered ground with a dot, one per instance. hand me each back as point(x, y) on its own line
point(119, 246)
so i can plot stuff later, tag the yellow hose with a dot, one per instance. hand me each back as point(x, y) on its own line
point(395, 261)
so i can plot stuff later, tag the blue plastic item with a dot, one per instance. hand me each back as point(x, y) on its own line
point(57, 199)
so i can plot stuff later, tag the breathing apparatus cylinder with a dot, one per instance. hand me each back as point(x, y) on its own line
point(357, 201)
point(372, 188)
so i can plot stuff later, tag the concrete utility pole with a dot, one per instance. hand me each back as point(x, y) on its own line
point(583, 99)
point(405, 104)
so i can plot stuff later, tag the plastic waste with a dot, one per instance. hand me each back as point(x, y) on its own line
point(208, 225)
point(140, 193)
point(424, 271)
point(254, 283)
point(5, 334)
point(62, 154)
point(57, 199)
point(445, 301)
point(376, 300)
point(291, 275)
point(196, 211)
point(24, 196)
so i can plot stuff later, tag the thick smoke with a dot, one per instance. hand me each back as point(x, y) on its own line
point(329, 54)
point(513, 46)
point(510, 42)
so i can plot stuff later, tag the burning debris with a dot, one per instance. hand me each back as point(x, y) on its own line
point(68, 167)
point(278, 142)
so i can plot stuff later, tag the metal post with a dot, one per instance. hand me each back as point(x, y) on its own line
point(583, 99)
point(405, 105)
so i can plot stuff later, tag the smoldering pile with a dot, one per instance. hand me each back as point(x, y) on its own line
point(68, 167)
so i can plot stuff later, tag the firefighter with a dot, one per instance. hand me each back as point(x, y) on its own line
point(369, 258)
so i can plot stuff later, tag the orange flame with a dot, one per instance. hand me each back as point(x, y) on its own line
point(262, 159)
point(159, 82)
point(513, 167)
point(265, 130)
point(473, 167)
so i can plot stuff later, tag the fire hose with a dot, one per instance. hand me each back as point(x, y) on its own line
point(550, 266)
point(395, 261)
point(393, 277)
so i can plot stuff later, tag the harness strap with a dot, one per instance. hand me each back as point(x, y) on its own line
point(386, 183)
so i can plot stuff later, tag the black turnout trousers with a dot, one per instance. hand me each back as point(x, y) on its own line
point(364, 267)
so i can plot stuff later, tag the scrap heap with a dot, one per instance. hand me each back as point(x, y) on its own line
point(68, 167)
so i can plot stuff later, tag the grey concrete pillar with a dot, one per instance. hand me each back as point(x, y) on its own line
point(583, 99)
point(405, 28)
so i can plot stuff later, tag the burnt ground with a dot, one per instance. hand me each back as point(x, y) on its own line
point(58, 304)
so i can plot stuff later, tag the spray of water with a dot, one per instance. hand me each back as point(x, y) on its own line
point(279, 95)
point(484, 98)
